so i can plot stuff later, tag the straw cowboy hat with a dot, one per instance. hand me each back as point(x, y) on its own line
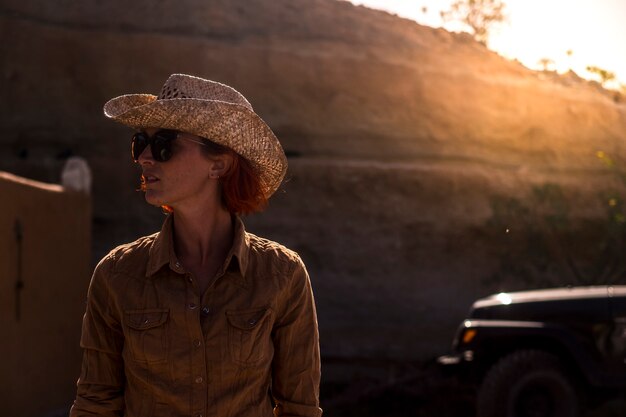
point(211, 110)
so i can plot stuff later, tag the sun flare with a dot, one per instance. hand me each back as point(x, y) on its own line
point(559, 35)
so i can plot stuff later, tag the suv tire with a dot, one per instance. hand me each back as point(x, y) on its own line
point(528, 383)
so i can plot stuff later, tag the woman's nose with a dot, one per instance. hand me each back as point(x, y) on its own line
point(146, 156)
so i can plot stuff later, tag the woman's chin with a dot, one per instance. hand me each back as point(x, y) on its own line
point(153, 199)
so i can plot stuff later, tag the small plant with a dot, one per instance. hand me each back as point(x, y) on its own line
point(479, 15)
point(546, 64)
point(604, 75)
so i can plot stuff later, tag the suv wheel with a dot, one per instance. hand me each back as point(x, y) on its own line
point(528, 383)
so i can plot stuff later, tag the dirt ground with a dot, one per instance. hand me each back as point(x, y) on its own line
point(418, 391)
point(416, 395)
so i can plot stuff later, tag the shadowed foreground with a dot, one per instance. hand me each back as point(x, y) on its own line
point(407, 390)
point(416, 390)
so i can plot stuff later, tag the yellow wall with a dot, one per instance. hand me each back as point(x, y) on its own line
point(39, 347)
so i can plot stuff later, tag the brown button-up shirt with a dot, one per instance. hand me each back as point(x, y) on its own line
point(154, 348)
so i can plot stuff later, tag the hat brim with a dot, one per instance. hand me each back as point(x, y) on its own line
point(227, 124)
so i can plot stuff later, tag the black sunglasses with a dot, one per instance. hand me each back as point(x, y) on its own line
point(160, 144)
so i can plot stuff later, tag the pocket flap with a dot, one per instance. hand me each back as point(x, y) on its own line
point(247, 319)
point(146, 319)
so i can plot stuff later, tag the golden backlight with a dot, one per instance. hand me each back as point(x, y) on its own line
point(557, 34)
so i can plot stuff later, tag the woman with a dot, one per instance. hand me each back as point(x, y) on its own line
point(201, 319)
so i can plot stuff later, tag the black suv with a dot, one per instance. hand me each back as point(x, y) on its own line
point(543, 353)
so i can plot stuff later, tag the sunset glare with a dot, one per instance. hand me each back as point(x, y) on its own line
point(592, 31)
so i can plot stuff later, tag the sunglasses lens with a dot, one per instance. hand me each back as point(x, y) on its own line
point(162, 145)
point(138, 144)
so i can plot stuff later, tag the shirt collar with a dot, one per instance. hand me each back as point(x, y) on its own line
point(162, 249)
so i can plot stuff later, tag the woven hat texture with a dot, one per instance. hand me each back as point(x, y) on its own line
point(211, 110)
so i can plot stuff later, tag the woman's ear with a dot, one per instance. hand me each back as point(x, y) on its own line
point(221, 165)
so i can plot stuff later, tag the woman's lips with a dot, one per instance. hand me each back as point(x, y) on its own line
point(149, 179)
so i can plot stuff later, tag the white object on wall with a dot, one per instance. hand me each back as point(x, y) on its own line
point(76, 175)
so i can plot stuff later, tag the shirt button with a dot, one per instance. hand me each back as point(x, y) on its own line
point(197, 343)
point(252, 322)
point(192, 306)
point(199, 380)
point(205, 310)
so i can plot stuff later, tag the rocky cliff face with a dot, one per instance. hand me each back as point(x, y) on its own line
point(418, 158)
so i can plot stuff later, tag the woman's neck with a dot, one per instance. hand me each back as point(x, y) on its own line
point(202, 235)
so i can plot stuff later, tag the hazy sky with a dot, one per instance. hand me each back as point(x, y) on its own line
point(594, 30)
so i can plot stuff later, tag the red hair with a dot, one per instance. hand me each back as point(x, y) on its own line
point(241, 187)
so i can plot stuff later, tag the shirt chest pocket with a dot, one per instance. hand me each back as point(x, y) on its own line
point(146, 334)
point(249, 339)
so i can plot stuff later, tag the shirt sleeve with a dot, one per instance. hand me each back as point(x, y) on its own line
point(100, 387)
point(296, 364)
